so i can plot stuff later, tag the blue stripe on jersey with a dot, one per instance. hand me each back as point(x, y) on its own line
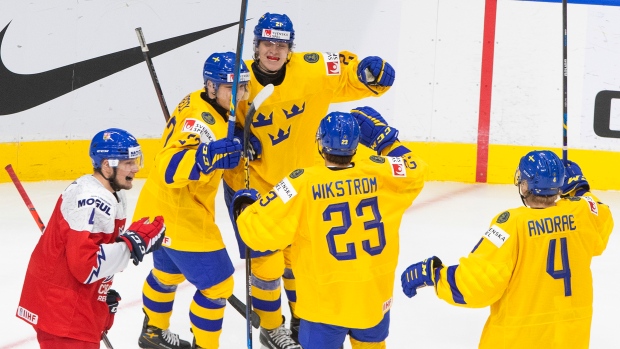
point(288, 273)
point(478, 244)
point(263, 305)
point(206, 324)
point(158, 307)
point(159, 287)
point(265, 285)
point(207, 303)
point(456, 294)
point(174, 165)
point(194, 175)
point(291, 295)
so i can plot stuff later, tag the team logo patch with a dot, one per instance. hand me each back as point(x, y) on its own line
point(311, 57)
point(285, 190)
point(574, 198)
point(27, 315)
point(377, 159)
point(592, 203)
point(503, 217)
point(398, 167)
point(496, 235)
point(198, 127)
point(332, 63)
point(298, 172)
point(208, 118)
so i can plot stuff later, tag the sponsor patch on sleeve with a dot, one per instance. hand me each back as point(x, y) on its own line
point(496, 235)
point(332, 63)
point(592, 203)
point(398, 166)
point(285, 190)
point(200, 128)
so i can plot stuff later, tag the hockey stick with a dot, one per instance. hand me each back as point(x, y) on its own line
point(232, 118)
point(233, 300)
point(565, 82)
point(149, 64)
point(256, 103)
point(37, 219)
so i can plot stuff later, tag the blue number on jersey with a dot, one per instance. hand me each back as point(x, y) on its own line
point(563, 273)
point(375, 223)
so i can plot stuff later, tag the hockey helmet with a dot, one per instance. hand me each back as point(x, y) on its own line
point(220, 69)
point(274, 27)
point(543, 171)
point(338, 134)
point(114, 144)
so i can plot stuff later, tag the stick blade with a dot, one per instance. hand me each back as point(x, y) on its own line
point(262, 96)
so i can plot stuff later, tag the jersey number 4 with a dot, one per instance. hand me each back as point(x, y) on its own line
point(563, 273)
point(344, 210)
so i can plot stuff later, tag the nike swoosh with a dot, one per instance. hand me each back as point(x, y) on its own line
point(24, 91)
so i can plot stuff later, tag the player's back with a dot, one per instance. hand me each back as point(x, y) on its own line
point(347, 242)
point(548, 301)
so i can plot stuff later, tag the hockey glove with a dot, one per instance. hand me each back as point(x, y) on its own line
point(374, 130)
point(241, 199)
point(575, 184)
point(375, 71)
point(421, 274)
point(143, 237)
point(223, 153)
point(255, 149)
point(112, 299)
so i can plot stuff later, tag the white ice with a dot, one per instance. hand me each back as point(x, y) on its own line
point(446, 220)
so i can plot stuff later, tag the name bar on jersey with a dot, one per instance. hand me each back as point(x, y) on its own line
point(355, 186)
point(551, 225)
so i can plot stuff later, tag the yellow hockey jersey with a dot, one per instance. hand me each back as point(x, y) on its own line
point(532, 266)
point(344, 229)
point(287, 121)
point(176, 189)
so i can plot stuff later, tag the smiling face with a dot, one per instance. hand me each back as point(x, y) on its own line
point(272, 55)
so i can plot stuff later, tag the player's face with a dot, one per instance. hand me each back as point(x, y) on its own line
point(272, 55)
point(224, 92)
point(126, 171)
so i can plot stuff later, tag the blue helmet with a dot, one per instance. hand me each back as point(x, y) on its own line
point(274, 27)
point(543, 171)
point(114, 144)
point(338, 134)
point(220, 69)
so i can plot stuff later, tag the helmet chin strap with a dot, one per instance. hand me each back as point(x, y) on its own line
point(112, 180)
point(523, 197)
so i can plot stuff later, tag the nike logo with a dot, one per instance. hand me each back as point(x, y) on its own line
point(24, 91)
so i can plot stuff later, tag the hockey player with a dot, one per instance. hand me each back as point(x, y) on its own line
point(342, 219)
point(532, 266)
point(182, 186)
point(306, 84)
point(67, 295)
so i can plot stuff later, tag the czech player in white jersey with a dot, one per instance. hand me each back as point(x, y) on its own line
point(67, 295)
